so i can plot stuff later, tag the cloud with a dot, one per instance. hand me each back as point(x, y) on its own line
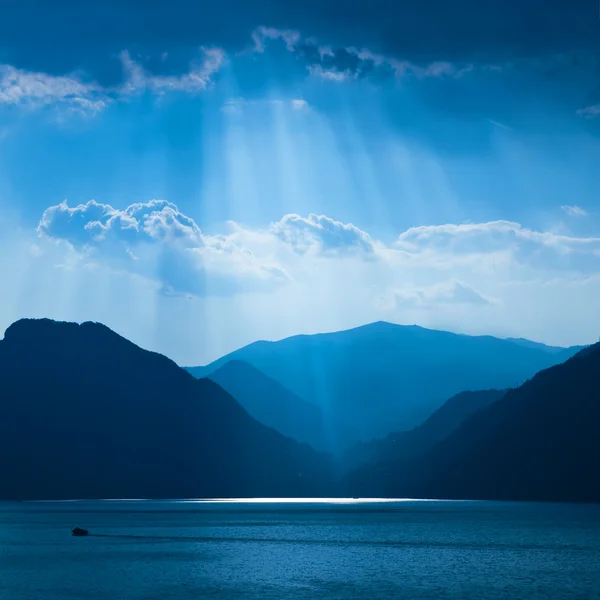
point(261, 34)
point(299, 104)
point(498, 124)
point(156, 240)
point(447, 293)
point(589, 112)
point(455, 32)
point(342, 64)
point(195, 80)
point(323, 235)
point(574, 210)
point(237, 105)
point(504, 241)
point(438, 265)
point(36, 90)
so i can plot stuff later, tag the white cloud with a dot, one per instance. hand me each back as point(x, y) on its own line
point(35, 90)
point(261, 34)
point(237, 105)
point(589, 112)
point(321, 234)
point(504, 241)
point(299, 104)
point(156, 240)
point(349, 63)
point(320, 72)
point(442, 267)
point(574, 210)
point(74, 94)
point(451, 292)
point(149, 262)
point(195, 80)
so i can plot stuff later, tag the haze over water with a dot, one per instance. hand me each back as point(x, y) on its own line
point(400, 549)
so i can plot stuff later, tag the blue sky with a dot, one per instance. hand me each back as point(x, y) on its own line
point(199, 178)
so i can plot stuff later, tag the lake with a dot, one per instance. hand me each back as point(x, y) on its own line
point(272, 550)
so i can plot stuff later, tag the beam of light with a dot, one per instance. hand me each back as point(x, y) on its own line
point(241, 185)
point(360, 160)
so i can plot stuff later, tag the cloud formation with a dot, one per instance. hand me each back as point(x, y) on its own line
point(195, 80)
point(35, 90)
point(454, 31)
point(323, 235)
point(589, 112)
point(427, 265)
point(237, 105)
point(261, 34)
point(156, 240)
point(349, 63)
point(574, 210)
point(446, 293)
point(78, 94)
point(72, 92)
point(504, 241)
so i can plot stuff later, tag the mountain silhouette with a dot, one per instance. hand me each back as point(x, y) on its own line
point(271, 404)
point(380, 378)
point(87, 414)
point(538, 442)
point(551, 349)
point(410, 444)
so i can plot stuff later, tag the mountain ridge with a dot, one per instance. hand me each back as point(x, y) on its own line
point(375, 379)
point(200, 370)
point(104, 418)
point(272, 404)
point(538, 442)
point(410, 444)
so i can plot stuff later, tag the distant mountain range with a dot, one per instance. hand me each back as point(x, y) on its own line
point(412, 444)
point(551, 349)
point(271, 404)
point(380, 378)
point(538, 442)
point(86, 414)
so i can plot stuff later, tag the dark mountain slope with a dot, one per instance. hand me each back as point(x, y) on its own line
point(411, 444)
point(271, 404)
point(380, 378)
point(538, 442)
point(100, 417)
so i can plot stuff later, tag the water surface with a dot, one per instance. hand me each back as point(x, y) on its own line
point(368, 550)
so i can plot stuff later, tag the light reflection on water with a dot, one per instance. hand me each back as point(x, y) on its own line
point(300, 548)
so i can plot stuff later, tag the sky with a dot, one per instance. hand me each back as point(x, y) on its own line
point(200, 176)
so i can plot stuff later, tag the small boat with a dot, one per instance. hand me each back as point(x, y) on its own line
point(79, 532)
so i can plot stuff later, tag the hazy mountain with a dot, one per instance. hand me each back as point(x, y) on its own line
point(380, 378)
point(411, 444)
point(99, 417)
point(538, 442)
point(551, 349)
point(271, 404)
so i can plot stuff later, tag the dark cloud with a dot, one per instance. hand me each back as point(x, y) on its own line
point(42, 36)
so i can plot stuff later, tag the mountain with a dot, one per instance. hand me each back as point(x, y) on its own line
point(382, 377)
point(101, 418)
point(538, 442)
point(271, 404)
point(411, 444)
point(551, 349)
